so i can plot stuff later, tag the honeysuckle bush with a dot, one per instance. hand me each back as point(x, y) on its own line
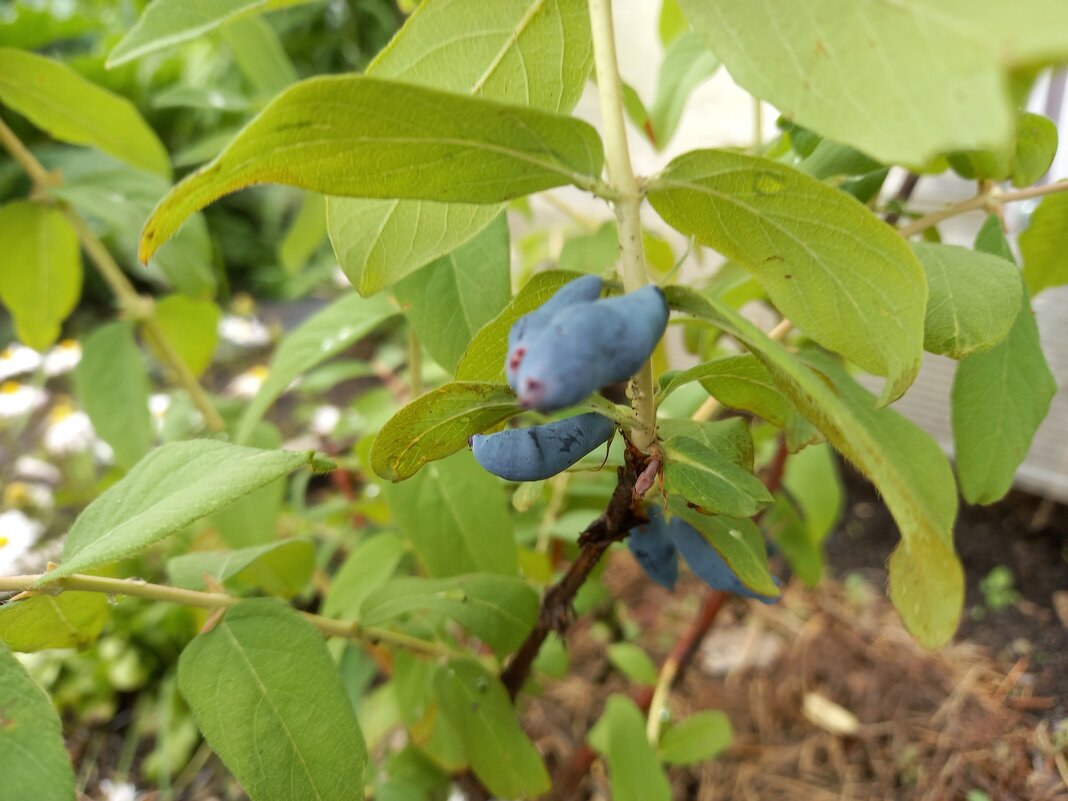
point(408, 599)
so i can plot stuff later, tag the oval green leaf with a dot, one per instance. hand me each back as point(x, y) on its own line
point(476, 704)
point(173, 486)
point(438, 424)
point(972, 300)
point(33, 757)
point(41, 279)
point(67, 620)
point(61, 102)
point(363, 137)
point(284, 733)
point(831, 266)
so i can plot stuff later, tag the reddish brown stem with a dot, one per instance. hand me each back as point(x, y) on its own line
point(556, 610)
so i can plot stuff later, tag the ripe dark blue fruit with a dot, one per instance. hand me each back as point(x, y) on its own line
point(706, 563)
point(654, 549)
point(589, 345)
point(582, 290)
point(538, 452)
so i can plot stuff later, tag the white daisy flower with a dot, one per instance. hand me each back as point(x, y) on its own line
point(17, 359)
point(324, 420)
point(28, 495)
point(18, 533)
point(245, 332)
point(118, 791)
point(18, 399)
point(63, 358)
point(32, 469)
point(248, 383)
point(69, 431)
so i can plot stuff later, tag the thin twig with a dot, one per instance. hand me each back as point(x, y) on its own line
point(991, 199)
point(904, 194)
point(132, 303)
point(136, 588)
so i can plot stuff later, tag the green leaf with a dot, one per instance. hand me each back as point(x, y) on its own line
point(742, 382)
point(477, 705)
point(782, 524)
point(67, 620)
point(499, 610)
point(370, 565)
point(278, 568)
point(175, 485)
point(687, 64)
point(999, 399)
point(484, 358)
point(186, 259)
point(112, 386)
point(714, 484)
point(41, 280)
point(451, 298)
point(304, 235)
point(590, 253)
point(364, 137)
point(837, 271)
point(437, 424)
point(253, 520)
point(269, 699)
point(739, 542)
point(1044, 245)
point(463, 46)
point(192, 327)
point(33, 758)
point(905, 464)
point(71, 109)
point(450, 530)
point(632, 661)
point(973, 298)
point(861, 73)
point(730, 438)
point(1034, 148)
point(671, 22)
point(260, 56)
point(633, 768)
point(813, 480)
point(323, 335)
point(166, 23)
point(701, 736)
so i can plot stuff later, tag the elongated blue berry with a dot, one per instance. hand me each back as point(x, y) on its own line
point(589, 345)
point(538, 452)
point(706, 563)
point(585, 289)
point(654, 549)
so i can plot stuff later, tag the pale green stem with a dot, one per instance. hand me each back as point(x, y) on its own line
point(130, 301)
point(415, 363)
point(137, 588)
point(628, 200)
point(990, 199)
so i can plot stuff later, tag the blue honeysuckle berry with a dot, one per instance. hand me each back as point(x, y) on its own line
point(655, 551)
point(584, 289)
point(588, 346)
point(539, 452)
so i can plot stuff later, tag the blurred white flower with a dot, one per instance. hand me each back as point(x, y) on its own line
point(17, 359)
point(245, 332)
point(28, 495)
point(324, 420)
point(18, 399)
point(63, 358)
point(33, 469)
point(248, 383)
point(18, 533)
point(103, 453)
point(118, 791)
point(69, 431)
